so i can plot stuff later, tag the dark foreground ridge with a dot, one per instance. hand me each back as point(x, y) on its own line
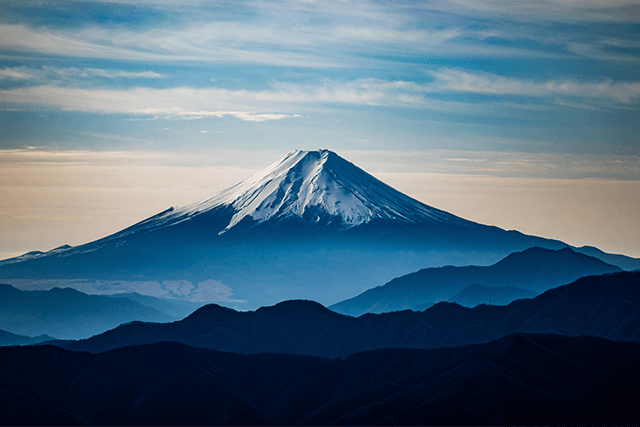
point(604, 306)
point(519, 379)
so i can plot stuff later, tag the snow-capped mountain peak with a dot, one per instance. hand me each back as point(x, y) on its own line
point(318, 187)
point(304, 182)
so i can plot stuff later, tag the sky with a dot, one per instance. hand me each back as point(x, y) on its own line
point(524, 115)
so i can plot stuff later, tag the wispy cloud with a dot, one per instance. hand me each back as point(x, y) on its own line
point(178, 102)
point(72, 73)
point(247, 116)
point(109, 74)
point(601, 51)
point(292, 43)
point(312, 34)
point(283, 99)
point(246, 105)
point(209, 43)
point(622, 10)
point(15, 73)
point(23, 38)
point(486, 83)
point(554, 10)
point(501, 164)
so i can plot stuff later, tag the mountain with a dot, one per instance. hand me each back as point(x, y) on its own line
point(7, 338)
point(520, 379)
point(535, 269)
point(311, 226)
point(67, 313)
point(474, 295)
point(605, 306)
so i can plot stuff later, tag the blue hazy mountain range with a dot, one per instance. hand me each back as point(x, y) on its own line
point(311, 226)
point(535, 269)
point(604, 306)
point(70, 314)
point(520, 379)
point(7, 339)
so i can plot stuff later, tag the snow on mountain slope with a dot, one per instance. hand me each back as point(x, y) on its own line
point(318, 187)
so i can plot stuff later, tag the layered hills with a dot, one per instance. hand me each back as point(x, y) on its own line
point(311, 226)
point(603, 306)
point(69, 314)
point(535, 269)
point(8, 339)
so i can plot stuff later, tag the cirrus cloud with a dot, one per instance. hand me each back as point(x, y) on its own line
point(283, 100)
point(486, 83)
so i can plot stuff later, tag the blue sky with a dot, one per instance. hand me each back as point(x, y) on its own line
point(545, 90)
